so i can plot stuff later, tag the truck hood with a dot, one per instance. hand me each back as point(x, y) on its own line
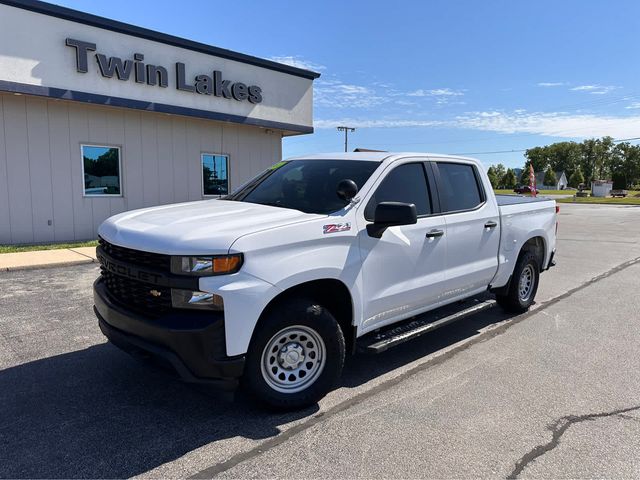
point(194, 228)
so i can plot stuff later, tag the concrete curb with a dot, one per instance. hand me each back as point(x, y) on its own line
point(12, 262)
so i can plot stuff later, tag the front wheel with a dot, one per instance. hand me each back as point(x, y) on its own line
point(296, 355)
point(524, 285)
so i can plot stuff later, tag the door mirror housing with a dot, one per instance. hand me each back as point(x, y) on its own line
point(347, 189)
point(391, 214)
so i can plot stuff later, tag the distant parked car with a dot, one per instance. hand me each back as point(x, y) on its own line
point(522, 189)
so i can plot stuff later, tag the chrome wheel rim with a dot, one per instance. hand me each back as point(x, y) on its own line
point(293, 359)
point(526, 283)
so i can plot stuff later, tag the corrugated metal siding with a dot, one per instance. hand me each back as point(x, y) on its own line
point(41, 166)
point(5, 219)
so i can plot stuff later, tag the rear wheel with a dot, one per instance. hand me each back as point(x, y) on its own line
point(523, 286)
point(296, 356)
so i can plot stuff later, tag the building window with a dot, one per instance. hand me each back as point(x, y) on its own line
point(101, 170)
point(215, 178)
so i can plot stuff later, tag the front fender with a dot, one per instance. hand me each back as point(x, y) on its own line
point(245, 297)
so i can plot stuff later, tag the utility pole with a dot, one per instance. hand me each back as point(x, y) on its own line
point(346, 131)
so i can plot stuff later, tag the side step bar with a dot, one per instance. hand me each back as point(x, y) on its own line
point(384, 339)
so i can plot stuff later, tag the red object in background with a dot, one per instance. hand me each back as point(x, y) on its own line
point(532, 181)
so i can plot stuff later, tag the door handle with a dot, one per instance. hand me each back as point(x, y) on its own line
point(434, 233)
point(490, 224)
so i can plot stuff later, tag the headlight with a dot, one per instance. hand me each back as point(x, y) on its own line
point(203, 266)
point(196, 300)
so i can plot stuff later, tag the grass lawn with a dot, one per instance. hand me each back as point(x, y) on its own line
point(629, 200)
point(48, 246)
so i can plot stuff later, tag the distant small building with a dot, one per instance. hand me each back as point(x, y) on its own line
point(561, 182)
point(601, 188)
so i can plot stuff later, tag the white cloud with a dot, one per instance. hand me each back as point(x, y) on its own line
point(437, 92)
point(336, 94)
point(551, 84)
point(633, 106)
point(297, 61)
point(380, 123)
point(557, 124)
point(405, 103)
point(595, 89)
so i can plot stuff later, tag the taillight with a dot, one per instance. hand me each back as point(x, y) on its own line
point(557, 212)
point(557, 209)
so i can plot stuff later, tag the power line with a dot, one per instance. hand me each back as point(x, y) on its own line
point(626, 139)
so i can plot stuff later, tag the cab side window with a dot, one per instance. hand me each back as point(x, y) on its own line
point(459, 187)
point(406, 183)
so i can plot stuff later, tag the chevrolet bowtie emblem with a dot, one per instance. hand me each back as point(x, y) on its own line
point(155, 293)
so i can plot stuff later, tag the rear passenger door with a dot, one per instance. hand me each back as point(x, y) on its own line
point(473, 228)
point(403, 271)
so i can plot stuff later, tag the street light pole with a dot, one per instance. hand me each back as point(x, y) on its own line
point(346, 131)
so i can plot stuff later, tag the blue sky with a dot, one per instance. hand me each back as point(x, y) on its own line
point(440, 76)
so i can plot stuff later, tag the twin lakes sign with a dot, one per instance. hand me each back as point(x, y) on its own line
point(156, 75)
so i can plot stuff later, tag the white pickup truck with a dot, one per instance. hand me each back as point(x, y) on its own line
point(273, 284)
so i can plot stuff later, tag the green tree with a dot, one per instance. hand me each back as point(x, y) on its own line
point(500, 171)
point(633, 165)
point(524, 176)
point(604, 157)
point(550, 177)
point(493, 178)
point(538, 157)
point(509, 179)
point(576, 178)
point(588, 158)
point(596, 158)
point(564, 156)
point(624, 165)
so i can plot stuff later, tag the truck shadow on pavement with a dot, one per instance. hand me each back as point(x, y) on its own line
point(98, 413)
point(364, 367)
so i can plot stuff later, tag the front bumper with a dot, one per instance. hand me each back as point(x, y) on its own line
point(193, 343)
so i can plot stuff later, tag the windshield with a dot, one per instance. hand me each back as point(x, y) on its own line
point(305, 185)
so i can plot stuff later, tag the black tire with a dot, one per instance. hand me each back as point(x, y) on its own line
point(300, 315)
point(513, 301)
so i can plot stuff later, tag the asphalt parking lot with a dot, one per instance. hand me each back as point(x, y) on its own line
point(551, 393)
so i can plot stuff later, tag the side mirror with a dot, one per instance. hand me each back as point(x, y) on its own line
point(347, 189)
point(391, 214)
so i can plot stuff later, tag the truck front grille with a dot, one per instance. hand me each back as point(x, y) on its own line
point(144, 298)
point(139, 258)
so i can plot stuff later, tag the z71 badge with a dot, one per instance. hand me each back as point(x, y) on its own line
point(336, 227)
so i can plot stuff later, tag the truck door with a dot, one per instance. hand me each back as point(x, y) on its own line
point(473, 228)
point(403, 271)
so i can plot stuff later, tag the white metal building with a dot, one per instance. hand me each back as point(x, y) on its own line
point(601, 188)
point(98, 117)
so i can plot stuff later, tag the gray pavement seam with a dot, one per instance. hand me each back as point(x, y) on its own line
point(499, 329)
point(558, 428)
